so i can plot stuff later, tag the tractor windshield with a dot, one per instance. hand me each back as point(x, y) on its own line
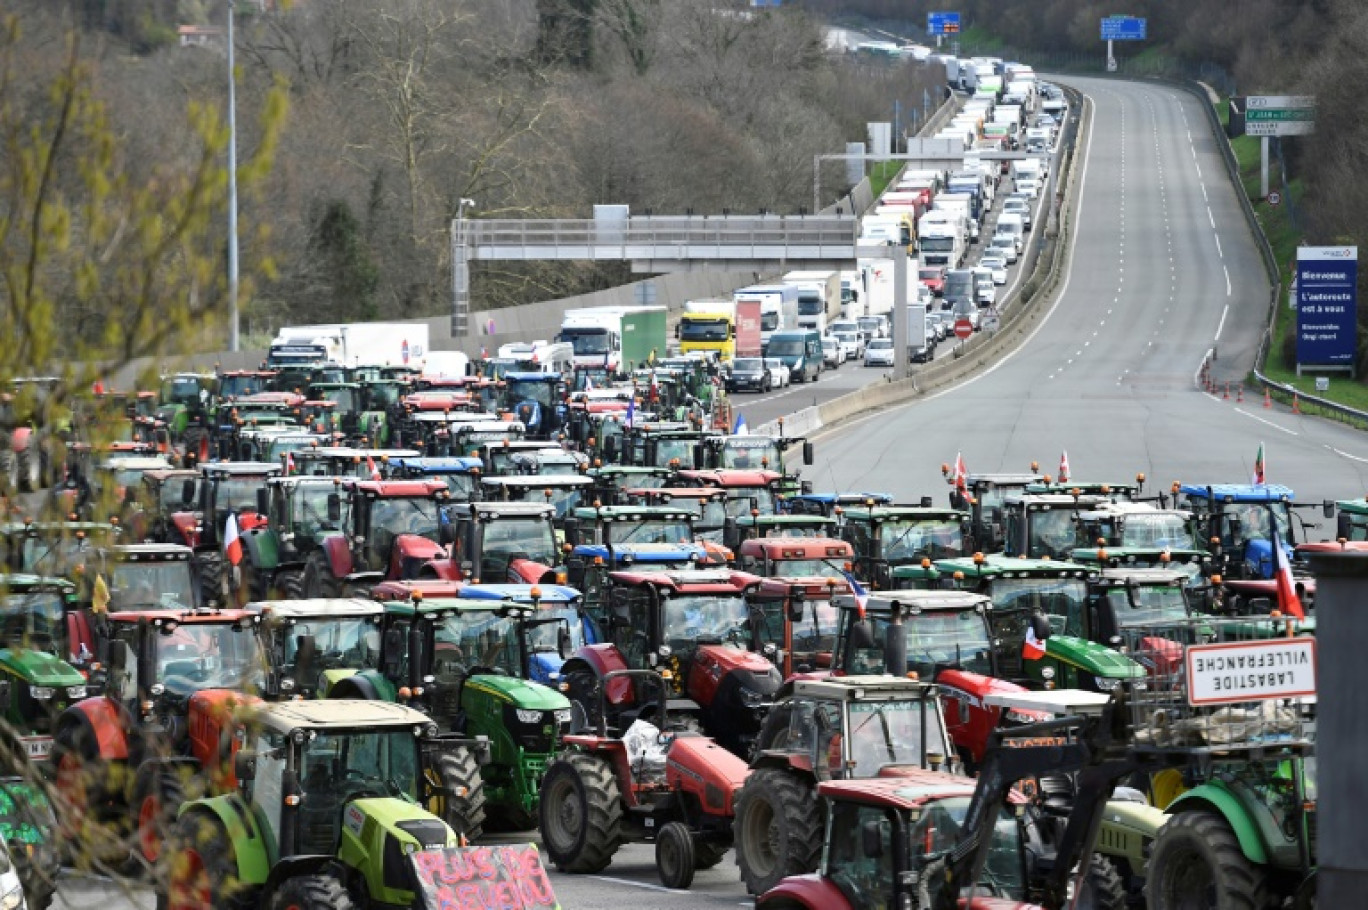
point(346, 399)
point(337, 767)
point(36, 620)
point(237, 386)
point(1148, 604)
point(237, 494)
point(649, 531)
point(462, 486)
point(53, 556)
point(1062, 600)
point(309, 510)
point(520, 538)
point(905, 541)
point(1245, 521)
point(405, 516)
point(1054, 533)
point(520, 390)
point(934, 638)
point(741, 500)
point(342, 643)
point(196, 656)
point(805, 568)
point(543, 629)
point(938, 830)
point(1161, 529)
point(750, 453)
point(814, 636)
point(692, 618)
point(181, 389)
point(477, 638)
point(671, 450)
point(151, 584)
point(892, 733)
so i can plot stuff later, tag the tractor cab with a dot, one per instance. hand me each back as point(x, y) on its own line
point(886, 537)
point(1137, 535)
point(604, 539)
point(498, 457)
point(983, 497)
point(743, 528)
point(393, 529)
point(1241, 522)
point(707, 505)
point(461, 474)
point(498, 542)
point(764, 452)
point(235, 384)
point(347, 402)
point(45, 650)
point(563, 492)
point(187, 400)
point(748, 491)
point(657, 444)
point(832, 505)
point(612, 481)
point(793, 621)
point(312, 644)
point(1123, 491)
point(553, 630)
point(1046, 524)
point(1124, 602)
point(537, 400)
point(466, 436)
point(52, 548)
point(795, 557)
point(141, 576)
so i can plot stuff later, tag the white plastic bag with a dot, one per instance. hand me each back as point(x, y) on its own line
point(645, 754)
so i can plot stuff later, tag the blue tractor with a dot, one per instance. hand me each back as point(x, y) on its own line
point(537, 401)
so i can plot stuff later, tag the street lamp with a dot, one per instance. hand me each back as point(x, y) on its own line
point(233, 342)
point(460, 274)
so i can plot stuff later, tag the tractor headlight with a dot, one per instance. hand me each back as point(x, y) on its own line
point(156, 689)
point(1047, 673)
point(76, 692)
point(1106, 685)
point(529, 715)
point(564, 715)
point(287, 684)
point(749, 696)
point(43, 693)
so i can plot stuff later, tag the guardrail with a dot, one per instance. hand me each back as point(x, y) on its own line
point(1013, 330)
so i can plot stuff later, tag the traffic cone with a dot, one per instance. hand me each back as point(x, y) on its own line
point(1239, 392)
point(1226, 395)
point(1268, 401)
point(1296, 403)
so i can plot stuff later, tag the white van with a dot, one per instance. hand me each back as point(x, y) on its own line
point(1014, 226)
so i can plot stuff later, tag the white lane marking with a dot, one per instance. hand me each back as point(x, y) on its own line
point(1227, 274)
point(1205, 198)
point(647, 885)
point(1268, 422)
point(1345, 454)
point(1220, 325)
point(1211, 218)
point(1219, 251)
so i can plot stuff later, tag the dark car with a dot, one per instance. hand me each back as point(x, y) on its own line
point(748, 374)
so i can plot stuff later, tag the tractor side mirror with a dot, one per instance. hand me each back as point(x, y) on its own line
point(263, 501)
point(1041, 627)
point(188, 492)
point(731, 536)
point(795, 609)
point(610, 448)
point(895, 650)
point(572, 531)
point(334, 507)
point(698, 456)
point(1236, 529)
point(244, 765)
point(809, 451)
point(862, 635)
point(393, 649)
point(563, 643)
point(1343, 526)
point(620, 613)
point(1328, 509)
point(871, 838)
point(305, 653)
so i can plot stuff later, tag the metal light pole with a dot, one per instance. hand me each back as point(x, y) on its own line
point(233, 342)
point(460, 273)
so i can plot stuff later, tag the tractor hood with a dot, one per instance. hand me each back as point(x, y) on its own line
point(39, 668)
point(1092, 657)
point(518, 692)
point(628, 554)
point(389, 828)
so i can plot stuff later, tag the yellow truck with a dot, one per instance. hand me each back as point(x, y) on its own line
point(708, 326)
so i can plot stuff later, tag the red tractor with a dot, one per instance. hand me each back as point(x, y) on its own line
point(794, 622)
point(597, 795)
point(694, 627)
point(795, 557)
point(163, 726)
point(747, 489)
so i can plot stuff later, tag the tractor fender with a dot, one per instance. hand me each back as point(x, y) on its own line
point(339, 555)
point(247, 520)
point(411, 547)
point(105, 720)
point(440, 569)
point(365, 684)
point(263, 549)
point(20, 438)
point(811, 892)
point(187, 523)
point(245, 833)
point(527, 572)
point(1216, 798)
point(599, 660)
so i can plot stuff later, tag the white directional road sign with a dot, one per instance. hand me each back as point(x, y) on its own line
point(1250, 671)
point(1280, 115)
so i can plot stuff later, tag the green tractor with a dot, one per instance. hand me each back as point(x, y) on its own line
point(36, 683)
point(301, 510)
point(332, 798)
point(187, 405)
point(465, 663)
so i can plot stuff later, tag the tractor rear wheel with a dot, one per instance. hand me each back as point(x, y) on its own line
point(82, 783)
point(312, 892)
point(463, 807)
point(779, 824)
point(1197, 864)
point(252, 584)
point(290, 584)
point(675, 856)
point(581, 813)
point(201, 872)
point(209, 565)
point(318, 576)
point(1103, 888)
point(156, 799)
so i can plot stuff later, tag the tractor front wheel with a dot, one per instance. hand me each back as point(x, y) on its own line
point(290, 584)
point(462, 806)
point(209, 565)
point(201, 869)
point(312, 892)
point(1197, 864)
point(318, 576)
point(581, 813)
point(675, 856)
point(156, 799)
point(778, 828)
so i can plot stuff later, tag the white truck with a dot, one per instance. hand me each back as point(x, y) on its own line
point(350, 344)
point(963, 206)
point(778, 307)
point(819, 297)
point(940, 239)
point(876, 280)
point(597, 335)
point(540, 356)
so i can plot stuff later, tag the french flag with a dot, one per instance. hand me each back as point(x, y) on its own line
point(858, 591)
point(232, 541)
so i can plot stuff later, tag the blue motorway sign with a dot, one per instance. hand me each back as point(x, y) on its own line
point(942, 23)
point(1327, 305)
point(1124, 28)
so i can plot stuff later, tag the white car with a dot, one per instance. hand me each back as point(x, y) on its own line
point(833, 355)
point(852, 345)
point(987, 290)
point(1018, 207)
point(780, 375)
point(1005, 246)
point(997, 265)
point(1028, 185)
point(879, 353)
